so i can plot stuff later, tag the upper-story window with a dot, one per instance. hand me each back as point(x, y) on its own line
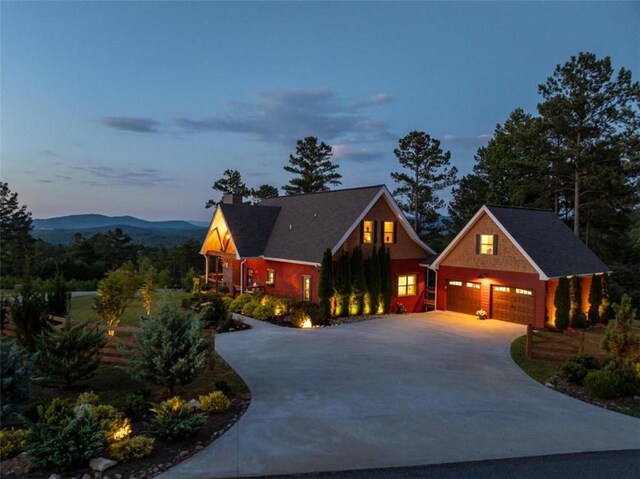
point(487, 244)
point(389, 232)
point(368, 231)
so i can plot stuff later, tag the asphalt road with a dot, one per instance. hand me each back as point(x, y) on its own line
point(588, 465)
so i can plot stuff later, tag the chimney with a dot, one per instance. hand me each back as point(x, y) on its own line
point(232, 199)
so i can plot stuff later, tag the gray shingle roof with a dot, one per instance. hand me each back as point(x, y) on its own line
point(250, 226)
point(308, 224)
point(548, 241)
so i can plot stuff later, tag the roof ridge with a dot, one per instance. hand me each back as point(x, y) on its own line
point(519, 208)
point(327, 191)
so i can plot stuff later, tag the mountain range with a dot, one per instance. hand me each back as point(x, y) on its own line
point(61, 230)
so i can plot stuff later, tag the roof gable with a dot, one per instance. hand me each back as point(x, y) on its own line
point(541, 237)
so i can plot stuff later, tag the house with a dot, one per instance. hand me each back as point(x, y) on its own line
point(277, 245)
point(507, 261)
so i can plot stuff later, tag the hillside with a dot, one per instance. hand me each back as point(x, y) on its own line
point(61, 230)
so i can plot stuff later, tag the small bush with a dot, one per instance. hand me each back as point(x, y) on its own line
point(238, 303)
point(215, 313)
point(247, 309)
point(59, 439)
point(12, 442)
point(576, 368)
point(223, 387)
point(135, 447)
point(214, 402)
point(136, 406)
point(613, 381)
point(118, 430)
point(303, 310)
point(174, 420)
point(105, 414)
point(16, 367)
point(263, 312)
point(88, 397)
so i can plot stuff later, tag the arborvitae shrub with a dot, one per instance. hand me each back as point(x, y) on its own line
point(575, 296)
point(595, 299)
point(562, 303)
point(325, 286)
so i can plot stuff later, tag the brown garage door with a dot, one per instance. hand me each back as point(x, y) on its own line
point(463, 297)
point(512, 304)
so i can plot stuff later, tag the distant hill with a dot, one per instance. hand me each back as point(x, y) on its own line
point(61, 230)
point(75, 222)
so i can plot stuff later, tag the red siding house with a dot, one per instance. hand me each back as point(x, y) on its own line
point(277, 245)
point(507, 261)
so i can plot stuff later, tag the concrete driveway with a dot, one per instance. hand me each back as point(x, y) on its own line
point(419, 389)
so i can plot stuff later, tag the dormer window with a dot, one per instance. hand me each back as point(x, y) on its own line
point(487, 244)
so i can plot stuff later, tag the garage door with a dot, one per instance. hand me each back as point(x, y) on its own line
point(463, 297)
point(512, 304)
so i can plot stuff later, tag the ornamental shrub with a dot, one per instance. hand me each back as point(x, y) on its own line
point(614, 380)
point(16, 367)
point(59, 296)
point(238, 303)
point(576, 368)
point(248, 308)
point(343, 284)
point(118, 430)
point(575, 310)
point(325, 284)
point(70, 353)
point(223, 387)
point(595, 299)
point(215, 313)
point(12, 442)
point(263, 312)
point(375, 283)
point(135, 447)
point(175, 420)
point(29, 314)
point(620, 338)
point(170, 351)
point(60, 439)
point(136, 406)
point(359, 282)
point(562, 303)
point(605, 306)
point(214, 402)
point(88, 397)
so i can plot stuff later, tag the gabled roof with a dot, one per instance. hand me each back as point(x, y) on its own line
point(299, 228)
point(543, 239)
point(250, 227)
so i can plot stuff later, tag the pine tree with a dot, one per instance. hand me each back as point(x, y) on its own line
point(170, 352)
point(230, 184)
point(15, 232)
point(562, 303)
point(359, 282)
point(325, 286)
point(29, 313)
point(313, 168)
point(16, 368)
point(387, 288)
point(374, 286)
point(69, 354)
point(59, 297)
point(595, 299)
point(619, 338)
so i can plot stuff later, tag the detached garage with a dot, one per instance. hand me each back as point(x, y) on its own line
point(507, 261)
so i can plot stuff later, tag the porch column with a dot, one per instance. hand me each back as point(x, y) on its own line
point(207, 261)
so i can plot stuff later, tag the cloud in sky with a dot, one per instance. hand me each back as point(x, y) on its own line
point(125, 176)
point(282, 117)
point(137, 125)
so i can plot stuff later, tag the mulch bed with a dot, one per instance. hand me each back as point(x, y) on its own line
point(164, 456)
point(629, 405)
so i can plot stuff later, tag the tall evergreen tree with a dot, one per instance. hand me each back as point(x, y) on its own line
point(605, 305)
point(468, 197)
point(386, 279)
point(343, 284)
point(29, 313)
point(576, 316)
point(15, 232)
point(325, 286)
point(359, 287)
point(230, 184)
point(427, 172)
point(593, 114)
point(263, 192)
point(562, 303)
point(312, 166)
point(59, 297)
point(595, 299)
point(376, 280)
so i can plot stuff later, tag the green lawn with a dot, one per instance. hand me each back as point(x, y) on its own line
point(539, 369)
point(81, 307)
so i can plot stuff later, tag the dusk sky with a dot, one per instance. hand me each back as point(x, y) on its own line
point(136, 108)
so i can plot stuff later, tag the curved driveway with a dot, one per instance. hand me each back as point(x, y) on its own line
point(419, 389)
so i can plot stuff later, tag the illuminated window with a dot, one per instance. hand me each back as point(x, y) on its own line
point(271, 277)
point(486, 244)
point(306, 288)
point(502, 289)
point(455, 283)
point(407, 285)
point(473, 285)
point(526, 292)
point(389, 232)
point(367, 232)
